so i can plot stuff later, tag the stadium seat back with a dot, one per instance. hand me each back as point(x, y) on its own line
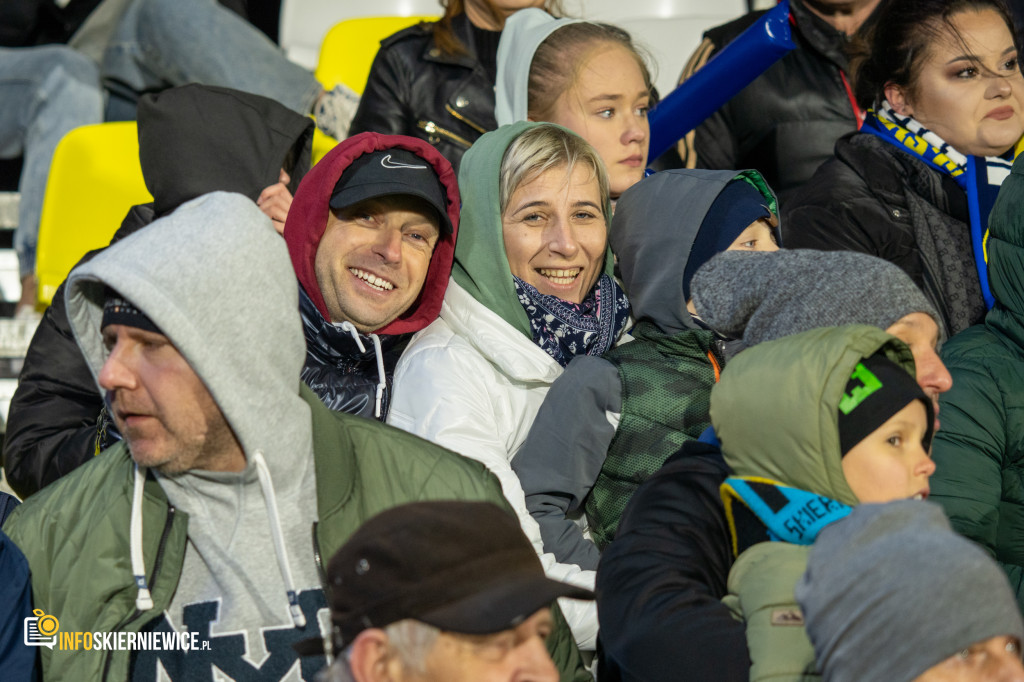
point(305, 22)
point(95, 177)
point(347, 54)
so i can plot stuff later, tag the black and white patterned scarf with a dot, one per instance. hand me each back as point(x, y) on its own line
point(564, 330)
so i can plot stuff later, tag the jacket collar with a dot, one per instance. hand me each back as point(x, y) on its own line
point(515, 354)
point(329, 343)
point(821, 36)
point(863, 152)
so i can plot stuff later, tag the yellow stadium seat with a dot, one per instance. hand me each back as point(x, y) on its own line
point(94, 179)
point(347, 54)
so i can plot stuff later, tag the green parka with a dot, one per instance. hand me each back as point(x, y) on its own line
point(74, 532)
point(979, 450)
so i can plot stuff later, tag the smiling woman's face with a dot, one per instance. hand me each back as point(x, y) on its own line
point(554, 232)
point(968, 89)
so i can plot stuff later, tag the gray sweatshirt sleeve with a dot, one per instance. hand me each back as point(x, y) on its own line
point(563, 454)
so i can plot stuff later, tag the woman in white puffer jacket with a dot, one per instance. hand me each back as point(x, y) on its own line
point(531, 288)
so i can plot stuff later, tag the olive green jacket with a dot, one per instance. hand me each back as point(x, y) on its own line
point(75, 532)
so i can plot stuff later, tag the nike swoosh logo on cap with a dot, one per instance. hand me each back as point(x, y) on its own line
point(386, 162)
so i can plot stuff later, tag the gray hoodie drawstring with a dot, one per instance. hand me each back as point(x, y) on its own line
point(143, 600)
point(381, 378)
point(267, 485)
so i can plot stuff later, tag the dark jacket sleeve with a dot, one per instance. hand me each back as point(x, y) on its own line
point(971, 454)
point(53, 425)
point(563, 454)
point(384, 105)
point(660, 583)
point(17, 661)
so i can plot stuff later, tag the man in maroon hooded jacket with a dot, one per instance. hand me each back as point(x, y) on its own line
point(398, 228)
point(371, 233)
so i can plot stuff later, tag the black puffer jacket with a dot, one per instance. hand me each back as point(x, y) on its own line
point(345, 376)
point(786, 122)
point(876, 199)
point(192, 140)
point(415, 89)
point(660, 584)
point(56, 420)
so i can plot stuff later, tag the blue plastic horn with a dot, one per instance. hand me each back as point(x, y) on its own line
point(748, 56)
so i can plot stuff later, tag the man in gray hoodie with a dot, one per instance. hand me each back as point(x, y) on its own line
point(233, 479)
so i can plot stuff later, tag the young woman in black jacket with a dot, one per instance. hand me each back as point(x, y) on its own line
point(945, 113)
point(435, 80)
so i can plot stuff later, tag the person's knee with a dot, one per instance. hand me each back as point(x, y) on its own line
point(74, 67)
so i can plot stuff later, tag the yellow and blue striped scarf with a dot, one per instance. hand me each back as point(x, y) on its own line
point(979, 176)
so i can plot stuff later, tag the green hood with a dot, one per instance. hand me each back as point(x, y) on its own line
point(481, 266)
point(1005, 244)
point(776, 408)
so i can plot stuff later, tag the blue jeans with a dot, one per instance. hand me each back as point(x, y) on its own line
point(164, 43)
point(44, 92)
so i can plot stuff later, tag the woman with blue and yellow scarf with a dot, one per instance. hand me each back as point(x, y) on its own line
point(944, 100)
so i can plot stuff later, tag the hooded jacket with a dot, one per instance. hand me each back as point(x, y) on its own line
point(348, 370)
point(523, 33)
point(979, 451)
point(662, 581)
point(192, 139)
point(794, 442)
point(474, 379)
point(577, 444)
point(113, 547)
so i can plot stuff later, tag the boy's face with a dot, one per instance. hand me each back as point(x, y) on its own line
point(891, 462)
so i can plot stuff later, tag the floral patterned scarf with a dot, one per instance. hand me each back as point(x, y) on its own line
point(564, 330)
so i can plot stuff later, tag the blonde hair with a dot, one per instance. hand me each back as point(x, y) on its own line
point(558, 60)
point(542, 148)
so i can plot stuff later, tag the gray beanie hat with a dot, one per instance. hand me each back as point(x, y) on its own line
point(759, 296)
point(891, 591)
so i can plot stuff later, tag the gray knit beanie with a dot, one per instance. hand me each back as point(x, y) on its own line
point(891, 591)
point(759, 296)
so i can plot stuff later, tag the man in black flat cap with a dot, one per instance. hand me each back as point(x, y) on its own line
point(444, 591)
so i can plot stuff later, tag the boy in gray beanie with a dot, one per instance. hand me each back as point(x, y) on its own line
point(892, 593)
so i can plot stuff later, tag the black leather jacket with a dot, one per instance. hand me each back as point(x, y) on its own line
point(787, 121)
point(415, 89)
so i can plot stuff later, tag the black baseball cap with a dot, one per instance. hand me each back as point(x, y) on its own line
point(462, 567)
point(392, 171)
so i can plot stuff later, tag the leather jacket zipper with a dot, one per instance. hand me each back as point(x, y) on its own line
point(436, 132)
point(152, 582)
point(479, 128)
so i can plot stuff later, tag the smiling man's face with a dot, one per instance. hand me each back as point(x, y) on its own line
point(373, 259)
